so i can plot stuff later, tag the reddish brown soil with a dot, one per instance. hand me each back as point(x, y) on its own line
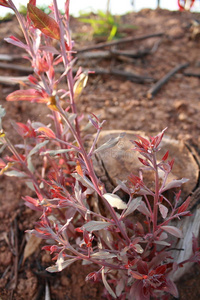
point(124, 105)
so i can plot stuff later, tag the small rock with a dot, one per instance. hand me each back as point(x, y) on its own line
point(180, 104)
point(182, 117)
point(113, 110)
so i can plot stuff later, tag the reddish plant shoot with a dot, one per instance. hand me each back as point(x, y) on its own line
point(134, 257)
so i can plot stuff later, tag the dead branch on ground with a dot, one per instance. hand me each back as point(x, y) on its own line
point(128, 75)
point(121, 41)
point(154, 89)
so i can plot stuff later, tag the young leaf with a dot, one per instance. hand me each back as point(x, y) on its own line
point(173, 230)
point(80, 83)
point(115, 201)
point(184, 206)
point(42, 21)
point(165, 156)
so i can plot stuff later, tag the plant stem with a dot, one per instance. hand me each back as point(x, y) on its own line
point(156, 194)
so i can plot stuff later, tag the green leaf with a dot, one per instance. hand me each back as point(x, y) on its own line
point(113, 33)
point(43, 22)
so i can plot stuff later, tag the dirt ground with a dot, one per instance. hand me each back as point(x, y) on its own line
point(125, 105)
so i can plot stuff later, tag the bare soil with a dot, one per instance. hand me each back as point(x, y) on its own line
point(125, 105)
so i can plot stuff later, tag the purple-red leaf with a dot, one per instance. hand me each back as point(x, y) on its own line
point(142, 267)
point(165, 156)
point(143, 161)
point(184, 206)
point(136, 275)
point(174, 184)
point(33, 2)
point(143, 209)
point(4, 3)
point(173, 230)
point(42, 21)
point(171, 288)
point(16, 42)
point(107, 286)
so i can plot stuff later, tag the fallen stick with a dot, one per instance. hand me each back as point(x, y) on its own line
point(131, 53)
point(121, 41)
point(15, 67)
point(113, 53)
point(128, 75)
point(190, 74)
point(10, 57)
point(8, 80)
point(131, 76)
point(154, 89)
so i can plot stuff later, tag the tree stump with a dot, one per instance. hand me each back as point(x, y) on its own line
point(119, 162)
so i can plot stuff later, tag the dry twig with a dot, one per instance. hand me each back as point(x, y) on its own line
point(10, 80)
point(128, 75)
point(153, 90)
point(121, 41)
point(191, 74)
